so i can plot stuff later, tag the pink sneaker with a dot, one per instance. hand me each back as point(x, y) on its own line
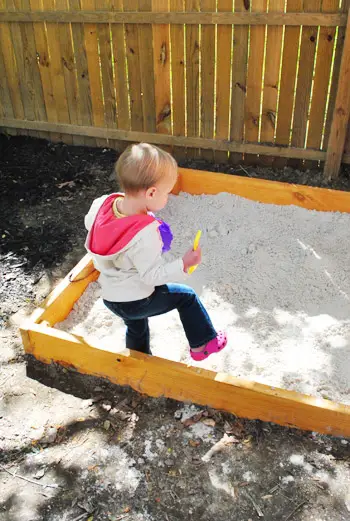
point(214, 346)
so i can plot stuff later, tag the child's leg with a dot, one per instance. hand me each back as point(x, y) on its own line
point(196, 322)
point(137, 335)
point(137, 330)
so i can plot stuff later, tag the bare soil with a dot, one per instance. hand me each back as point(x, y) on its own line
point(74, 447)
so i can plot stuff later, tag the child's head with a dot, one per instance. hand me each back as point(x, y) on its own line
point(147, 171)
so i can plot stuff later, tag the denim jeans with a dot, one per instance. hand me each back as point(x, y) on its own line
point(195, 319)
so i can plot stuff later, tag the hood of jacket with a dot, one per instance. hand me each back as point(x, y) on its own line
point(109, 235)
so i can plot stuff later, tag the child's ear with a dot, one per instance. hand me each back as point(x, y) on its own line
point(151, 191)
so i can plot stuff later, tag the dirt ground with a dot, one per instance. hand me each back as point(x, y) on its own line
point(77, 448)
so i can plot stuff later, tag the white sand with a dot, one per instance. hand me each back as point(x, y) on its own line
point(277, 279)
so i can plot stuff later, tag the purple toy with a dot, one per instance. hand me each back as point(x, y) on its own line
point(166, 235)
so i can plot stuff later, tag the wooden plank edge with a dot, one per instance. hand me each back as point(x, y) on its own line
point(79, 277)
point(165, 139)
point(197, 182)
point(159, 377)
point(238, 18)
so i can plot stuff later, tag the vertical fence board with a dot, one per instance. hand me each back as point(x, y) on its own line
point(45, 69)
point(147, 71)
point(321, 81)
point(69, 69)
point(223, 79)
point(120, 73)
point(239, 81)
point(133, 60)
point(32, 69)
point(192, 77)
point(56, 70)
point(24, 82)
point(10, 71)
point(335, 76)
point(287, 84)
point(6, 110)
point(161, 45)
point(85, 116)
point(254, 80)
point(207, 78)
point(105, 47)
point(304, 82)
point(341, 113)
point(271, 80)
point(93, 61)
point(177, 36)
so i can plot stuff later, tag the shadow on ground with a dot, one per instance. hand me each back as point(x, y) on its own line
point(103, 451)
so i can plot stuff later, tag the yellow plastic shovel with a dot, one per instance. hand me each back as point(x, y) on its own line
point(195, 246)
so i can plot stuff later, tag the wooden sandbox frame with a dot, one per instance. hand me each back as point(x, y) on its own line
point(160, 377)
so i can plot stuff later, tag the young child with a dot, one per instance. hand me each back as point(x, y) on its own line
point(126, 242)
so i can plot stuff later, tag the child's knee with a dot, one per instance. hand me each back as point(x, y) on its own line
point(189, 294)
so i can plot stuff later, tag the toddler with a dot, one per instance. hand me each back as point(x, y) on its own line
point(126, 241)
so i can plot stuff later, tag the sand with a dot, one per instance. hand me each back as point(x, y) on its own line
point(276, 278)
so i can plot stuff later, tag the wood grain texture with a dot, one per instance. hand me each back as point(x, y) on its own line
point(23, 60)
point(269, 192)
point(165, 139)
point(133, 61)
point(6, 108)
point(93, 62)
point(321, 80)
point(208, 38)
point(62, 299)
point(223, 79)
point(31, 63)
point(106, 65)
point(271, 80)
point(192, 77)
point(159, 377)
point(11, 75)
point(43, 55)
point(341, 114)
point(69, 69)
point(190, 18)
point(161, 46)
point(309, 38)
point(335, 76)
point(147, 71)
point(56, 67)
point(252, 115)
point(120, 72)
point(239, 81)
point(287, 83)
point(85, 115)
point(177, 36)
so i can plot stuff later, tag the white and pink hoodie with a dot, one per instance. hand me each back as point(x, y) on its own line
point(128, 253)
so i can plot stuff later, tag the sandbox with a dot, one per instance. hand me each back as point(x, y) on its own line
point(286, 308)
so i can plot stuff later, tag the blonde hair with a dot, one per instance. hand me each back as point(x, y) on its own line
point(142, 166)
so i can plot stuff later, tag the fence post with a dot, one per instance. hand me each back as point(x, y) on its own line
point(341, 113)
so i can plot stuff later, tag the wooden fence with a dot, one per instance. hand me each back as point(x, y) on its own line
point(226, 80)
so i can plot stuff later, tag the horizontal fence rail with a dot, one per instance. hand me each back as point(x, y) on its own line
point(224, 80)
point(102, 17)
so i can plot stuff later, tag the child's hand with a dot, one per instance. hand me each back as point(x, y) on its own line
point(192, 258)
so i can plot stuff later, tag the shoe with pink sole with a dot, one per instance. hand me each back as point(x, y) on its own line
point(214, 346)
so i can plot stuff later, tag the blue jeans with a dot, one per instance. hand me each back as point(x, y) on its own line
point(195, 320)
